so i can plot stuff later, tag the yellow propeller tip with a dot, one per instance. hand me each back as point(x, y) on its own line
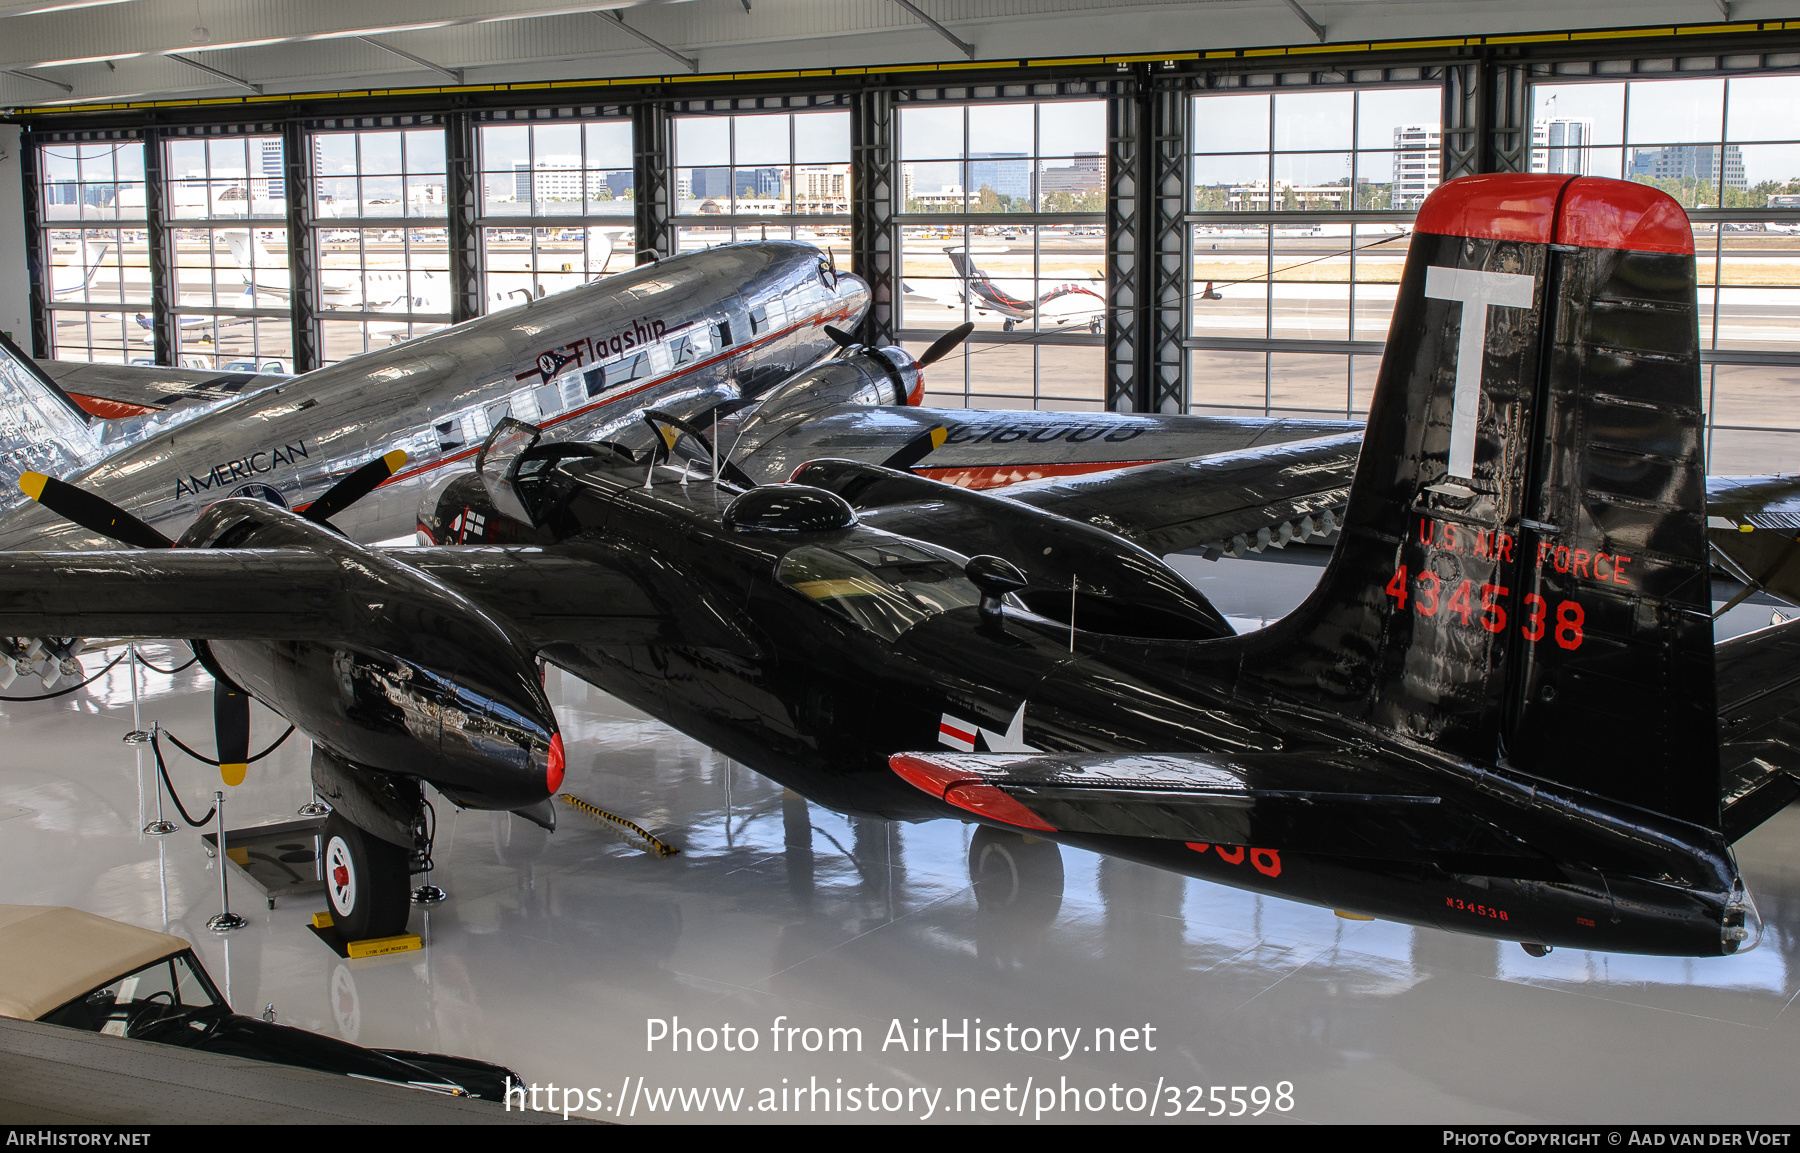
point(938, 436)
point(32, 484)
point(1741, 527)
point(233, 775)
point(394, 460)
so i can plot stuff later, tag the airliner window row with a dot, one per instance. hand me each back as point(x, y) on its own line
point(583, 385)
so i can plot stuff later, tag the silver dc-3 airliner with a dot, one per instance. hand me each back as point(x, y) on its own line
point(681, 335)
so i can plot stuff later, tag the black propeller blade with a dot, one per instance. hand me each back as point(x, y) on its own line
point(943, 344)
point(844, 339)
point(354, 487)
point(91, 512)
point(916, 449)
point(231, 729)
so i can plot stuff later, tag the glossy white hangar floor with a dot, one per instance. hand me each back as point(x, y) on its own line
point(556, 955)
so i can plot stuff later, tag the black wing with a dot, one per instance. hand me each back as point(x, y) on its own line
point(300, 594)
point(1336, 807)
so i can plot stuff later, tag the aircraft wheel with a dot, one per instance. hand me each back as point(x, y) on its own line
point(1016, 876)
point(366, 882)
point(1094, 326)
point(1006, 326)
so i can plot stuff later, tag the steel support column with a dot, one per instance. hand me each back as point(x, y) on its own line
point(463, 193)
point(1487, 126)
point(296, 154)
point(37, 263)
point(1464, 125)
point(872, 188)
point(1509, 117)
point(160, 253)
point(1163, 385)
point(652, 195)
point(1126, 269)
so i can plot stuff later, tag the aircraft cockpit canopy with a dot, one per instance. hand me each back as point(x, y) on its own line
point(885, 587)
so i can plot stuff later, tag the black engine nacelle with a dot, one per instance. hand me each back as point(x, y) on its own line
point(397, 673)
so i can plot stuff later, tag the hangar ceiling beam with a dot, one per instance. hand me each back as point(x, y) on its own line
point(39, 79)
point(211, 71)
point(455, 74)
point(612, 17)
point(962, 45)
point(1318, 29)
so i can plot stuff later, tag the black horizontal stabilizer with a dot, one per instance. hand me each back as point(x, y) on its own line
point(1278, 802)
point(1759, 725)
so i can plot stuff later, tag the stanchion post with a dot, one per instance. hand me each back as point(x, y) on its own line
point(160, 827)
point(226, 920)
point(137, 735)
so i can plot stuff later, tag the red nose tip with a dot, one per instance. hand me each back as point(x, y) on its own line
point(554, 774)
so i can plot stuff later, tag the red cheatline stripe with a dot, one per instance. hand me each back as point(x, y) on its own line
point(1000, 475)
point(948, 731)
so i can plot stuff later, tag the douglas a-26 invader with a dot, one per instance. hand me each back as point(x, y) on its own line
point(1501, 711)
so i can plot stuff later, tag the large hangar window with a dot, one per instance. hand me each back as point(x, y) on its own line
point(556, 205)
point(763, 176)
point(1301, 206)
point(1729, 150)
point(95, 243)
point(227, 218)
point(383, 256)
point(1002, 224)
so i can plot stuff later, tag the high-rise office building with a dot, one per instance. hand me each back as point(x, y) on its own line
point(1562, 145)
point(1416, 166)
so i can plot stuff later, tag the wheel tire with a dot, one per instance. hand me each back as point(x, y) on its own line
point(366, 882)
point(1016, 877)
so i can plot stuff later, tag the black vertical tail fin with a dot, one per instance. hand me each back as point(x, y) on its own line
point(1523, 576)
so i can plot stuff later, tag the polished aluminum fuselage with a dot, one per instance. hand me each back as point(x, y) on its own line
point(682, 334)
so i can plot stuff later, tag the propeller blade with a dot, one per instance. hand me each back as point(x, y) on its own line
point(231, 731)
point(354, 487)
point(943, 344)
point(917, 449)
point(844, 339)
point(91, 512)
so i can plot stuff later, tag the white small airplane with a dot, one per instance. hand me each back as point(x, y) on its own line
point(1073, 302)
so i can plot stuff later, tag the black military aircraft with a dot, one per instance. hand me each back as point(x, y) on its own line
point(1501, 711)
